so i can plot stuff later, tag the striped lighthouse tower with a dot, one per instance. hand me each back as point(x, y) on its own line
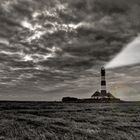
point(103, 82)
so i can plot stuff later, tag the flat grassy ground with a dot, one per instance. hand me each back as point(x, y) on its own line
point(63, 121)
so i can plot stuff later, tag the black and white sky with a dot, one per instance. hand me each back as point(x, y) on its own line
point(55, 48)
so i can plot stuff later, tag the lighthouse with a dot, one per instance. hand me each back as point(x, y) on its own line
point(103, 82)
point(103, 94)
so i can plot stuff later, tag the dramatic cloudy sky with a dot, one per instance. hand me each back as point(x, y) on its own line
point(55, 48)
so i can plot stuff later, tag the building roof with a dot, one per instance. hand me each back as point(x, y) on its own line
point(96, 94)
point(110, 95)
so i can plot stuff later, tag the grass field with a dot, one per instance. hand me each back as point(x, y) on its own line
point(61, 121)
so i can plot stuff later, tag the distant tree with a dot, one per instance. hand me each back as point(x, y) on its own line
point(69, 99)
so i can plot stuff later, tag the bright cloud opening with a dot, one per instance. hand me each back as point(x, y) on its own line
point(130, 55)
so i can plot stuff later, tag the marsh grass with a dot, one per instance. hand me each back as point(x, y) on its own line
point(59, 121)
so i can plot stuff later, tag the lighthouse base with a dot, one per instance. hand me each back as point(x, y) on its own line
point(91, 100)
point(102, 100)
point(97, 97)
